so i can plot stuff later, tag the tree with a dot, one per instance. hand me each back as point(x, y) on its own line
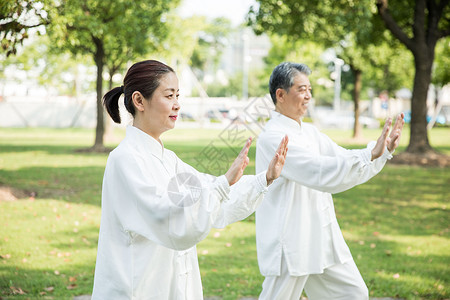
point(419, 27)
point(111, 31)
point(341, 24)
point(16, 19)
point(283, 49)
point(211, 43)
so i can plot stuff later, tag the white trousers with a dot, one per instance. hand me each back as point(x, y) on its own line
point(339, 282)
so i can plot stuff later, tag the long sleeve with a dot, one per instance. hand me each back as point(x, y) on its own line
point(146, 209)
point(178, 218)
point(335, 172)
point(242, 200)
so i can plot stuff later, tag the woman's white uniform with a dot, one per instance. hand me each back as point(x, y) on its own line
point(155, 209)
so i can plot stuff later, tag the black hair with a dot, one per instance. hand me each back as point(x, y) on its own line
point(143, 77)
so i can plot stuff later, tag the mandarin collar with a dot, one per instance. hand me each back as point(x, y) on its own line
point(286, 121)
point(145, 142)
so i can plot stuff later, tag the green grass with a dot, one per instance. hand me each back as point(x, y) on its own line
point(396, 225)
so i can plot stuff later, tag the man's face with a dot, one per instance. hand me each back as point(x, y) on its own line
point(294, 103)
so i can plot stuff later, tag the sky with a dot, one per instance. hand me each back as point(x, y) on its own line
point(235, 10)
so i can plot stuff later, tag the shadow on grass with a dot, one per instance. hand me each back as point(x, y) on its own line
point(388, 269)
point(49, 149)
point(397, 269)
point(400, 200)
point(73, 184)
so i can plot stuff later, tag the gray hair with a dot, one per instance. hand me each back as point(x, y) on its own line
point(283, 77)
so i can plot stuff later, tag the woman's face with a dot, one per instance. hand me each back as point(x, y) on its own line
point(161, 111)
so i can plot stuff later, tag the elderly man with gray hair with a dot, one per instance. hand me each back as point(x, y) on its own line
point(299, 242)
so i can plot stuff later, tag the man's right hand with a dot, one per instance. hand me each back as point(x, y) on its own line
point(390, 141)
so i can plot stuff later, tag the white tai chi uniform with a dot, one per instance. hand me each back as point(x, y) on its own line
point(297, 233)
point(150, 225)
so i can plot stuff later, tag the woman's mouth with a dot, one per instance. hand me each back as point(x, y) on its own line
point(173, 117)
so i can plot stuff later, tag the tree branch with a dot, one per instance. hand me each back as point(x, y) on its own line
point(383, 11)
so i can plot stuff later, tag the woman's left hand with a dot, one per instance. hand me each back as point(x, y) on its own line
point(277, 163)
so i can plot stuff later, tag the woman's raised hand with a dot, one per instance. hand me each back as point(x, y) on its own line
point(277, 163)
point(237, 168)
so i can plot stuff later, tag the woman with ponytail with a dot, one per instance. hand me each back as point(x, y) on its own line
point(155, 207)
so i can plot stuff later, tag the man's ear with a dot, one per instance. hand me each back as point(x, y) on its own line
point(279, 93)
point(138, 100)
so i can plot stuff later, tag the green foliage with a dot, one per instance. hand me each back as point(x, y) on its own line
point(17, 18)
point(119, 26)
point(327, 21)
point(394, 67)
point(441, 69)
point(309, 53)
point(52, 70)
point(181, 40)
point(211, 42)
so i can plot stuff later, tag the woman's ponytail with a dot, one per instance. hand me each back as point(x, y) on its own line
point(111, 103)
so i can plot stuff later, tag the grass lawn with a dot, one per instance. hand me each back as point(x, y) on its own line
point(396, 225)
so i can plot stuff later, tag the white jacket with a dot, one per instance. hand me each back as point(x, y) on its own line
point(297, 216)
point(152, 220)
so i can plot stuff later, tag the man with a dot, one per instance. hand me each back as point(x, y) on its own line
point(299, 242)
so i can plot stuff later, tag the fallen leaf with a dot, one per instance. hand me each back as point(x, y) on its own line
point(373, 245)
point(17, 291)
point(50, 289)
point(71, 286)
point(376, 233)
point(216, 234)
point(72, 279)
point(396, 276)
point(228, 244)
point(56, 272)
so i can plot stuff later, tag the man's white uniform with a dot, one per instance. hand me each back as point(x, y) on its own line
point(147, 241)
point(297, 233)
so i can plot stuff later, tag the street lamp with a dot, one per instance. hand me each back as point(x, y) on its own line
point(338, 63)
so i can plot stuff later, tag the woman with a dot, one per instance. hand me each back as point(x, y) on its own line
point(156, 208)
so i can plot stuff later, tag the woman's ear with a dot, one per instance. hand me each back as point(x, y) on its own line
point(138, 100)
point(279, 93)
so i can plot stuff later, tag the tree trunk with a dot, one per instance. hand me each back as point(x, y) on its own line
point(99, 62)
point(357, 132)
point(418, 142)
